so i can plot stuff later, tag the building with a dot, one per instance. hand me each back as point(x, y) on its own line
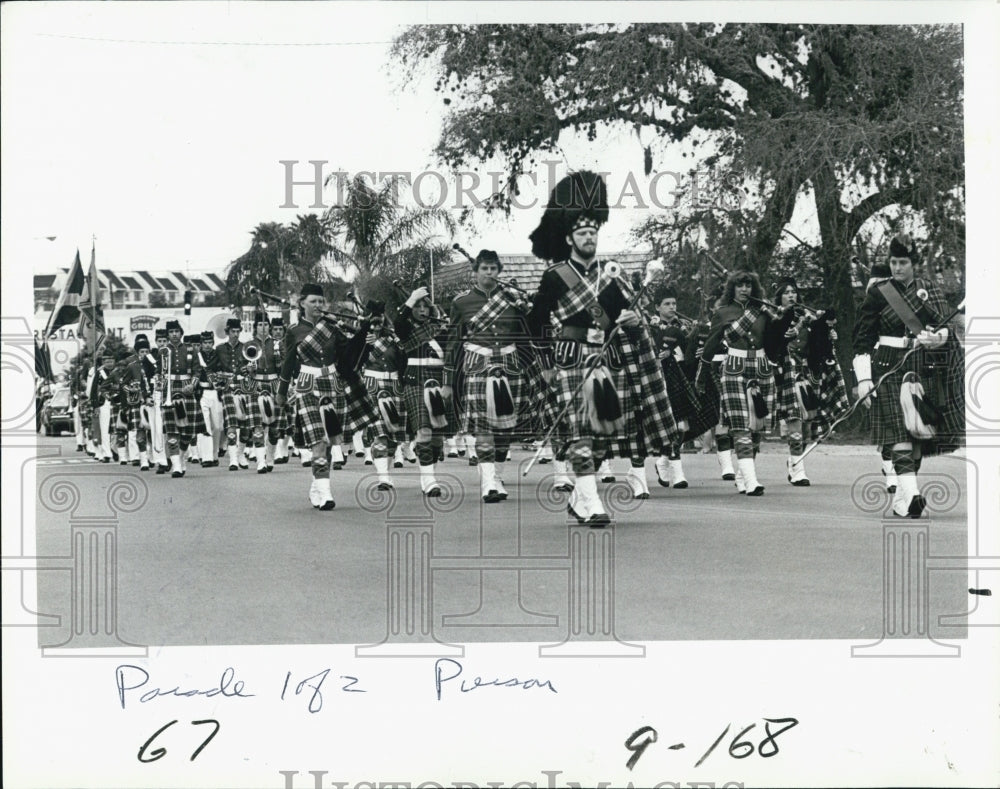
point(136, 290)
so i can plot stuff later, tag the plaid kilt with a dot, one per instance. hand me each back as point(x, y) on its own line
point(413, 398)
point(786, 406)
point(942, 373)
point(832, 393)
point(194, 418)
point(641, 387)
point(231, 420)
point(476, 368)
point(630, 441)
point(685, 402)
point(737, 372)
point(349, 399)
point(255, 417)
point(380, 388)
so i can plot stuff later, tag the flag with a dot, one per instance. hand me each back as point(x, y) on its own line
point(91, 314)
point(67, 309)
point(43, 363)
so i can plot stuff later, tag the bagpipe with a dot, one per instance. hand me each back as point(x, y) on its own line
point(606, 408)
point(911, 395)
point(519, 297)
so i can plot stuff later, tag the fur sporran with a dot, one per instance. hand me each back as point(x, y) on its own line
point(756, 408)
point(500, 412)
point(435, 404)
point(601, 404)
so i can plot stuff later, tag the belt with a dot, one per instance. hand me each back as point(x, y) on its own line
point(741, 354)
point(577, 333)
point(483, 350)
point(319, 372)
point(174, 377)
point(265, 377)
point(895, 342)
point(382, 375)
point(719, 357)
point(424, 362)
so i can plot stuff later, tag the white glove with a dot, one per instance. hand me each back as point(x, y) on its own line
point(863, 372)
point(929, 339)
point(678, 354)
point(864, 387)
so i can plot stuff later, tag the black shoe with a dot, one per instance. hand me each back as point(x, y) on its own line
point(543, 461)
point(917, 505)
point(433, 493)
point(79, 447)
point(492, 497)
point(307, 464)
point(195, 460)
point(161, 469)
point(473, 461)
point(368, 462)
point(758, 491)
point(891, 489)
point(262, 470)
point(729, 477)
point(280, 461)
point(563, 487)
point(105, 460)
point(384, 486)
point(665, 483)
point(176, 474)
point(359, 454)
point(608, 478)
point(338, 466)
point(575, 514)
point(233, 467)
point(327, 505)
point(222, 453)
point(397, 464)
point(599, 520)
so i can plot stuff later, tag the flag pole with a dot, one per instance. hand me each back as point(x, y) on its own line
point(93, 301)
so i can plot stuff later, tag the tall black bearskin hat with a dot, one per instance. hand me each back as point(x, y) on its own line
point(141, 341)
point(160, 334)
point(487, 256)
point(577, 200)
point(234, 323)
point(902, 246)
point(173, 326)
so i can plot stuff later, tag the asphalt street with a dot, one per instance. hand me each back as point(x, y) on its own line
point(222, 557)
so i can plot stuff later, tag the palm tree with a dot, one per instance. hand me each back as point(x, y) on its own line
point(374, 230)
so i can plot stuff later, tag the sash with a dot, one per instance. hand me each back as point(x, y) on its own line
point(419, 334)
point(579, 297)
point(488, 314)
point(900, 306)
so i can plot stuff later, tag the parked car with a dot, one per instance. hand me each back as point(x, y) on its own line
point(56, 414)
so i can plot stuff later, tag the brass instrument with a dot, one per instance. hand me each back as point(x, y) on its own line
point(165, 359)
point(343, 320)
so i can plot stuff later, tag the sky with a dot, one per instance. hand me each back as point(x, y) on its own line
point(159, 129)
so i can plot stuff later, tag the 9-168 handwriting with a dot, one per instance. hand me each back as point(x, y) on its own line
point(740, 747)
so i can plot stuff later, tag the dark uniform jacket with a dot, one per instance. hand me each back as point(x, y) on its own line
point(550, 290)
point(509, 326)
point(290, 362)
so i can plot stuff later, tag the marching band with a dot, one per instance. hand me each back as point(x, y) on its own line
point(578, 366)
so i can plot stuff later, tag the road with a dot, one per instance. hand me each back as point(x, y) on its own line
point(222, 557)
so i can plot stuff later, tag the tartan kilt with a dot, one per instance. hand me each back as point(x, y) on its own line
point(255, 417)
point(85, 410)
point(737, 372)
point(132, 415)
point(417, 417)
point(685, 402)
point(832, 396)
point(383, 388)
point(194, 418)
point(630, 441)
point(231, 420)
point(472, 416)
point(785, 405)
point(942, 373)
point(349, 399)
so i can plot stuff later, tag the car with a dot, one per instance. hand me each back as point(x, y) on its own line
point(56, 413)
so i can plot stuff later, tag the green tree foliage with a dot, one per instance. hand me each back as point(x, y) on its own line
point(859, 117)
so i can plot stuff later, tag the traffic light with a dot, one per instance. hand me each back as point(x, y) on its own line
point(188, 296)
